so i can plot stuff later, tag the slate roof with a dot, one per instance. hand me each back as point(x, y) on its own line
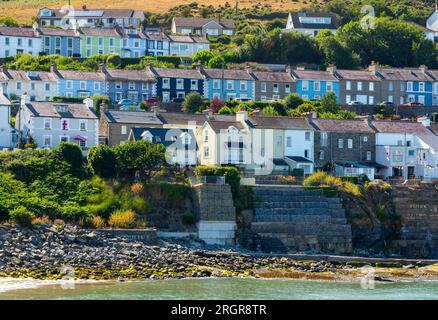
point(159, 135)
point(217, 126)
point(19, 32)
point(288, 123)
point(400, 127)
point(100, 32)
point(81, 75)
point(177, 73)
point(313, 75)
point(298, 25)
point(160, 36)
point(134, 117)
point(131, 75)
point(193, 22)
point(358, 75)
point(188, 39)
point(28, 76)
point(49, 110)
point(97, 13)
point(299, 159)
point(273, 76)
point(406, 74)
point(228, 74)
point(335, 125)
point(58, 32)
point(181, 118)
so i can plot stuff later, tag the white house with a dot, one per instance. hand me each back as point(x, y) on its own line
point(203, 26)
point(50, 123)
point(406, 149)
point(432, 25)
point(14, 40)
point(311, 23)
point(6, 129)
point(38, 85)
point(187, 46)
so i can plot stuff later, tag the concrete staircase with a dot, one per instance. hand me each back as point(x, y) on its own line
point(292, 218)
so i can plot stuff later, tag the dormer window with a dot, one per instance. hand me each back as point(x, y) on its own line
point(62, 108)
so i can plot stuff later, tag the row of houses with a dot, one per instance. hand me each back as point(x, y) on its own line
point(256, 144)
point(87, 41)
point(371, 86)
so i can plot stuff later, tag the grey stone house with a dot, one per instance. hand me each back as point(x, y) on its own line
point(273, 86)
point(349, 145)
point(360, 85)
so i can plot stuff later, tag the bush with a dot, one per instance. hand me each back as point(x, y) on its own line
point(102, 160)
point(193, 102)
point(292, 101)
point(122, 219)
point(22, 216)
point(231, 175)
point(73, 212)
point(97, 222)
point(36, 222)
point(354, 180)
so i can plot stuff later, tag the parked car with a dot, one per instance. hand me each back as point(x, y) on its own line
point(126, 102)
point(355, 103)
point(386, 104)
point(412, 104)
point(151, 101)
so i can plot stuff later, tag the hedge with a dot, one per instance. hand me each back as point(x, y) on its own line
point(231, 175)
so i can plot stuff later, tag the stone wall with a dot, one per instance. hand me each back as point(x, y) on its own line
point(144, 235)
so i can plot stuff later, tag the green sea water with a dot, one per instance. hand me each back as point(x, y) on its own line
point(229, 288)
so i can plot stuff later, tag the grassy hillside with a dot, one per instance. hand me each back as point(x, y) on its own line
point(24, 10)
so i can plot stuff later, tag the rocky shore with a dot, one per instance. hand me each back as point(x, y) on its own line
point(67, 252)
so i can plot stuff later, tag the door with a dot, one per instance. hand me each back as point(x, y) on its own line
point(411, 172)
point(166, 96)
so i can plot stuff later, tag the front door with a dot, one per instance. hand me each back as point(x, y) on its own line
point(397, 172)
point(411, 172)
point(166, 96)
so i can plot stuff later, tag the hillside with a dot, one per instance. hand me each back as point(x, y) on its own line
point(24, 10)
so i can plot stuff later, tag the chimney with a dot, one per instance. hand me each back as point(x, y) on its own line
point(312, 115)
point(24, 99)
point(88, 102)
point(374, 67)
point(331, 68)
point(288, 69)
point(155, 109)
point(102, 67)
point(208, 113)
point(199, 66)
point(53, 68)
point(241, 116)
point(423, 68)
point(248, 68)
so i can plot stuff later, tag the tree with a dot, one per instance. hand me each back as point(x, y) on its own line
point(72, 154)
point(7, 21)
point(203, 56)
point(329, 103)
point(102, 160)
point(336, 52)
point(292, 101)
point(270, 111)
point(216, 62)
point(193, 102)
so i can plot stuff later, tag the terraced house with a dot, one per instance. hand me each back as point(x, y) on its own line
point(15, 40)
point(227, 84)
point(313, 85)
point(364, 86)
point(158, 44)
point(273, 86)
point(38, 85)
point(134, 44)
point(100, 41)
point(203, 26)
point(79, 84)
point(407, 85)
point(175, 84)
point(65, 42)
point(187, 46)
point(434, 74)
point(136, 85)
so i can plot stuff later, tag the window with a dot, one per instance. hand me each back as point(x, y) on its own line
point(243, 85)
point(347, 98)
point(402, 86)
point(287, 88)
point(316, 86)
point(276, 88)
point(409, 86)
point(131, 85)
point(118, 85)
point(69, 84)
point(340, 143)
point(180, 84)
point(390, 86)
point(230, 85)
point(371, 86)
point(193, 84)
point(123, 130)
point(47, 124)
point(359, 86)
point(324, 139)
point(350, 143)
point(411, 153)
point(348, 85)
point(69, 42)
point(18, 85)
point(19, 42)
point(397, 155)
point(47, 86)
point(166, 83)
point(399, 142)
point(371, 100)
point(305, 85)
point(321, 155)
point(7, 41)
point(96, 86)
point(216, 84)
point(206, 152)
point(83, 85)
point(329, 86)
point(88, 41)
point(30, 43)
point(47, 141)
point(263, 87)
point(365, 138)
point(63, 139)
point(206, 136)
point(144, 86)
point(390, 98)
point(100, 41)
point(83, 144)
point(368, 155)
point(32, 86)
point(307, 136)
point(289, 142)
point(421, 87)
point(83, 125)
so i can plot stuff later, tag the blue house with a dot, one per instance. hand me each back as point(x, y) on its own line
point(65, 42)
point(136, 85)
point(158, 44)
point(134, 44)
point(175, 84)
point(79, 84)
point(313, 85)
point(228, 84)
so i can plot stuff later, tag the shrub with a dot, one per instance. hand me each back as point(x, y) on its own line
point(231, 175)
point(22, 216)
point(292, 101)
point(97, 222)
point(122, 219)
point(36, 222)
point(193, 102)
point(73, 212)
point(225, 110)
point(59, 224)
point(137, 188)
point(102, 160)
